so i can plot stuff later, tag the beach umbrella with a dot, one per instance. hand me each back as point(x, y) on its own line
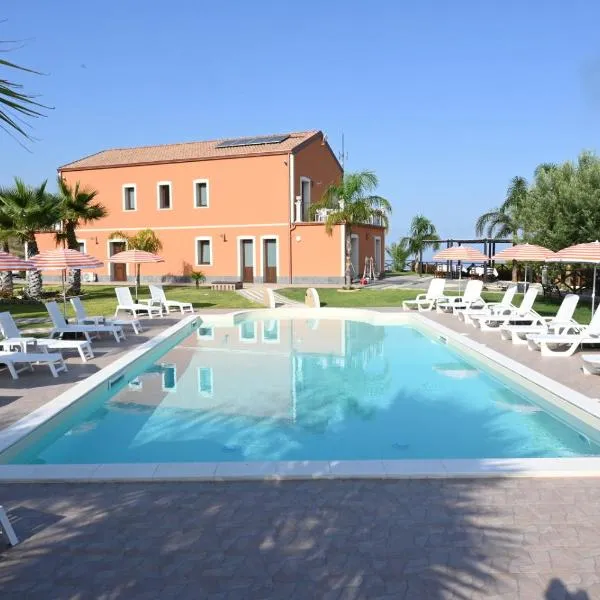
point(525, 253)
point(63, 259)
point(587, 253)
point(8, 262)
point(136, 257)
point(464, 253)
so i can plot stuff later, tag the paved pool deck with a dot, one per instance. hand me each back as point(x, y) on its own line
point(494, 539)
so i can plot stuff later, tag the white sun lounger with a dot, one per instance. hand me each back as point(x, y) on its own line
point(569, 340)
point(471, 298)
point(13, 340)
point(84, 319)
point(556, 324)
point(427, 301)
point(159, 297)
point(7, 528)
point(125, 302)
point(491, 308)
point(524, 313)
point(591, 364)
point(60, 326)
point(54, 360)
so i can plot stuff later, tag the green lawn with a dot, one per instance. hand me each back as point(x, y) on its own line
point(101, 300)
point(369, 297)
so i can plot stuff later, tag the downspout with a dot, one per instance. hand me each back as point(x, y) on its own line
point(292, 223)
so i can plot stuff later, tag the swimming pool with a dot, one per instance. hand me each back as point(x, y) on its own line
point(327, 389)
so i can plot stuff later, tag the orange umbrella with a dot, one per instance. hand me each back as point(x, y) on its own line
point(460, 253)
point(525, 253)
point(587, 253)
point(136, 257)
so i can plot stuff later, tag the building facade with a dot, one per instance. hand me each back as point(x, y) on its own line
point(237, 210)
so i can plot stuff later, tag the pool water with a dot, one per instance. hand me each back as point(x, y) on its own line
point(303, 390)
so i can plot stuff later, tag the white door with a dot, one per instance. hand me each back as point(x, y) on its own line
point(377, 255)
point(354, 256)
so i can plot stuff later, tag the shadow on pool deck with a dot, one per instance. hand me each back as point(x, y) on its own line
point(421, 539)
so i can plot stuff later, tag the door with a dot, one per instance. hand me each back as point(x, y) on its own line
point(270, 254)
point(118, 271)
point(354, 256)
point(247, 254)
point(377, 260)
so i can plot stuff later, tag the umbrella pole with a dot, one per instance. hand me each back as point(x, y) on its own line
point(64, 287)
point(137, 277)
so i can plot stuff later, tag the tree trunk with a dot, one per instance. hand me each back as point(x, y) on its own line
point(6, 278)
point(348, 275)
point(73, 244)
point(515, 271)
point(34, 278)
point(420, 263)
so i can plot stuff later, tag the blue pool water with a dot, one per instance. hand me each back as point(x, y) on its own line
point(303, 390)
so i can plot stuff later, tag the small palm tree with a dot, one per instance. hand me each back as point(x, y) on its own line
point(507, 220)
point(28, 210)
point(352, 203)
point(144, 239)
point(422, 235)
point(76, 205)
point(398, 253)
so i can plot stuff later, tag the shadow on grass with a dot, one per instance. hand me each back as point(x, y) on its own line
point(411, 539)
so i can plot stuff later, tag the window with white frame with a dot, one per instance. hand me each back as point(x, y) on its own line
point(205, 381)
point(129, 199)
point(201, 193)
point(164, 195)
point(203, 251)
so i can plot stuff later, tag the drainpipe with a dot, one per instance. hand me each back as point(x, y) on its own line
point(292, 206)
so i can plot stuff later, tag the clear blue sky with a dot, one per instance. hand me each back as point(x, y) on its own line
point(446, 101)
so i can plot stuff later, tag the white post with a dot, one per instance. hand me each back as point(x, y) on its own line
point(298, 204)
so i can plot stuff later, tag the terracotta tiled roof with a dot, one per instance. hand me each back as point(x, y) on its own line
point(183, 152)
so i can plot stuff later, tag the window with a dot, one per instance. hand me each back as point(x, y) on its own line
point(248, 331)
point(164, 195)
point(305, 195)
point(169, 377)
point(205, 333)
point(129, 197)
point(81, 246)
point(271, 331)
point(203, 251)
point(201, 193)
point(205, 381)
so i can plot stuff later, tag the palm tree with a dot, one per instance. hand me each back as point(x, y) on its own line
point(506, 221)
point(26, 211)
point(422, 235)
point(144, 239)
point(399, 254)
point(15, 104)
point(6, 278)
point(76, 205)
point(351, 203)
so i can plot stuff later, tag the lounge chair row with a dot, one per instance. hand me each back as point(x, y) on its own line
point(559, 335)
point(19, 353)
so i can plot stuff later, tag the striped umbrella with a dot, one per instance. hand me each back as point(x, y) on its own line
point(136, 257)
point(587, 253)
point(8, 262)
point(460, 253)
point(525, 253)
point(63, 259)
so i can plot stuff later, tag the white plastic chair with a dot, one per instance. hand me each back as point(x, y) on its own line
point(60, 326)
point(428, 300)
point(525, 313)
point(84, 319)
point(158, 297)
point(125, 302)
point(53, 360)
point(14, 340)
point(7, 528)
point(492, 308)
point(470, 298)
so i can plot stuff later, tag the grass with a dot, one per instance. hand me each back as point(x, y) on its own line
point(101, 300)
point(382, 298)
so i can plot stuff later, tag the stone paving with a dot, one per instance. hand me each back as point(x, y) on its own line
point(335, 540)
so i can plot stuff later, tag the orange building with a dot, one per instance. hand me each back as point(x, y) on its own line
point(237, 210)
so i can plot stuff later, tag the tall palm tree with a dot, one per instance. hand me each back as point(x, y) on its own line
point(352, 203)
point(16, 104)
point(422, 235)
point(145, 240)
point(76, 205)
point(28, 210)
point(6, 278)
point(507, 220)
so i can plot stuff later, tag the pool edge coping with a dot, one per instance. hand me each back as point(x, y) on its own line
point(295, 470)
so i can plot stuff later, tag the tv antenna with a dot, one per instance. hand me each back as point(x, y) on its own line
point(343, 155)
